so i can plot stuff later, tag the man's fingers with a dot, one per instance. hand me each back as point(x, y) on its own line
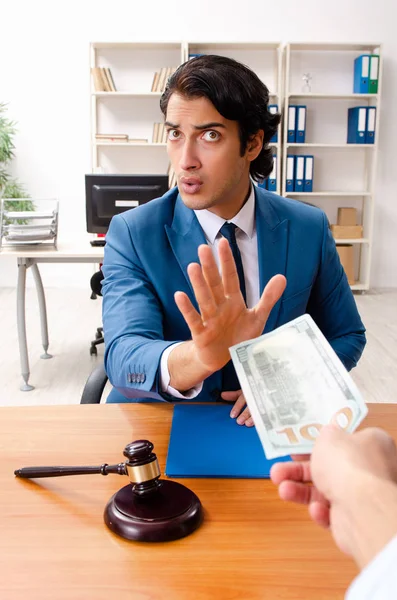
point(319, 512)
point(244, 416)
point(271, 294)
point(230, 280)
point(238, 407)
point(202, 292)
point(293, 471)
point(190, 314)
point(231, 396)
point(301, 493)
point(211, 273)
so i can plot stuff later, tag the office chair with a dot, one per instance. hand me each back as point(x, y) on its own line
point(96, 287)
point(94, 386)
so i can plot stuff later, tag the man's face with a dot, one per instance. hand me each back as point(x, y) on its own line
point(204, 150)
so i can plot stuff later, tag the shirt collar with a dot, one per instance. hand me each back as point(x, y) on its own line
point(245, 219)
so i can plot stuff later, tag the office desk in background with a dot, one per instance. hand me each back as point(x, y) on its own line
point(54, 544)
point(31, 256)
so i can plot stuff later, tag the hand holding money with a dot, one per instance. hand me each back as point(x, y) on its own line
point(294, 383)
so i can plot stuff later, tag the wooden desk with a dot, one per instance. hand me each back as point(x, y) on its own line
point(30, 256)
point(250, 546)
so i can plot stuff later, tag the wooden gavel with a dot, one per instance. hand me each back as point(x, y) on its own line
point(149, 508)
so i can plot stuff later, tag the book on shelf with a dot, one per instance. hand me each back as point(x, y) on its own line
point(161, 77)
point(159, 133)
point(103, 79)
point(172, 182)
point(111, 137)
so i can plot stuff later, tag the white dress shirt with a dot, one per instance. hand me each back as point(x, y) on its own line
point(246, 239)
point(378, 581)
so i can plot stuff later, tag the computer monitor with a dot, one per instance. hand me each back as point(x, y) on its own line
point(109, 195)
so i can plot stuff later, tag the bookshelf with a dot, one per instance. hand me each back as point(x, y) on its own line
point(344, 173)
point(132, 109)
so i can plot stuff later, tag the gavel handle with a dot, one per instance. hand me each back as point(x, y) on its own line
point(105, 469)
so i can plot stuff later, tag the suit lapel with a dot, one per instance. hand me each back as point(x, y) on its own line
point(272, 246)
point(185, 236)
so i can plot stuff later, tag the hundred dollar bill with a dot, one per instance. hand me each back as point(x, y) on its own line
point(294, 383)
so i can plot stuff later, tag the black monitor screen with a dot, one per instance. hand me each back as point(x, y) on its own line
point(109, 195)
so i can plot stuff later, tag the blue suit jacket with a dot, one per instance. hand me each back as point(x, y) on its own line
point(147, 252)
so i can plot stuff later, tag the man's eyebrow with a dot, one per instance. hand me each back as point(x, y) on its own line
point(199, 127)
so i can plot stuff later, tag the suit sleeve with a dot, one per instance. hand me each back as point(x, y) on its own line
point(132, 319)
point(333, 307)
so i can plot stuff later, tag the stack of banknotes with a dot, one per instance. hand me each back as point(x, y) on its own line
point(294, 383)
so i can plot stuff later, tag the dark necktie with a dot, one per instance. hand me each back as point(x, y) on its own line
point(228, 231)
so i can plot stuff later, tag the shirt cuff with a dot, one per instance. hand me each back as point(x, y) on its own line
point(378, 581)
point(165, 378)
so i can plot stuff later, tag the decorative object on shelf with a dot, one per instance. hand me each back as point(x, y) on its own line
point(306, 88)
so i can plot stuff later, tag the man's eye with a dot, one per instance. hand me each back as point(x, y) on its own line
point(173, 134)
point(211, 136)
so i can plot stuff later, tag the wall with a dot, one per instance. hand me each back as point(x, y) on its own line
point(44, 50)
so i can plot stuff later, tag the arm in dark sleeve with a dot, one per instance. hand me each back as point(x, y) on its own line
point(132, 319)
point(333, 307)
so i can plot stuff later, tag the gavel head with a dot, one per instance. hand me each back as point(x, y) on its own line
point(142, 467)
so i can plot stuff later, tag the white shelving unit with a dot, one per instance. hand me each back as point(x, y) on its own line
point(133, 108)
point(266, 60)
point(344, 174)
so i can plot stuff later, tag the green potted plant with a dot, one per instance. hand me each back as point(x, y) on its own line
point(10, 187)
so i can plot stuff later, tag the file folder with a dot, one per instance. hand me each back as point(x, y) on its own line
point(361, 74)
point(291, 124)
point(356, 125)
point(290, 173)
point(370, 130)
point(206, 442)
point(273, 109)
point(300, 135)
point(263, 185)
point(308, 183)
point(299, 173)
point(373, 74)
point(272, 181)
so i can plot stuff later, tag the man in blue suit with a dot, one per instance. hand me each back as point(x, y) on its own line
point(216, 260)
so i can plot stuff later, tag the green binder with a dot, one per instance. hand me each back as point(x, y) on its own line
point(373, 73)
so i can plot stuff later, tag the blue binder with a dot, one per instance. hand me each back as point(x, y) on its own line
point(370, 129)
point(299, 173)
point(263, 185)
point(273, 109)
point(291, 124)
point(206, 442)
point(361, 74)
point(308, 180)
point(290, 173)
point(272, 181)
point(300, 134)
point(356, 125)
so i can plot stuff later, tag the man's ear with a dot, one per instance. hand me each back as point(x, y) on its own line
point(255, 145)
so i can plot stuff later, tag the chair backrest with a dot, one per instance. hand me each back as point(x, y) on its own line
point(96, 282)
point(94, 386)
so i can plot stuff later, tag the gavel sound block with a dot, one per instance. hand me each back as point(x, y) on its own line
point(148, 509)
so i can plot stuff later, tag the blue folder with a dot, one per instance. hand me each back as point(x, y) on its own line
point(361, 74)
point(206, 442)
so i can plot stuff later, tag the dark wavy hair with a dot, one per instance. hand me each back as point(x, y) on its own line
point(237, 94)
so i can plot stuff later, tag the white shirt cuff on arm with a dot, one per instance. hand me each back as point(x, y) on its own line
point(165, 378)
point(378, 581)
